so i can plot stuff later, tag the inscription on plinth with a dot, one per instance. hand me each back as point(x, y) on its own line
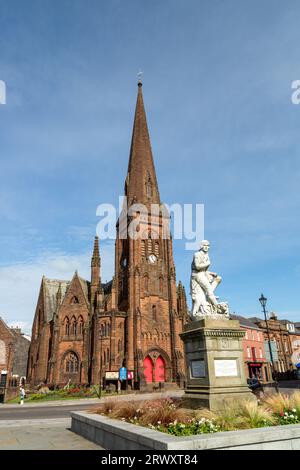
point(226, 368)
point(198, 369)
point(214, 360)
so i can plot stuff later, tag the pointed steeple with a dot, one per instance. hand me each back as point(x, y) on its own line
point(141, 184)
point(58, 296)
point(95, 266)
point(96, 254)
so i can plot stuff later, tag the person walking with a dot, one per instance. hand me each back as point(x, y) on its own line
point(22, 395)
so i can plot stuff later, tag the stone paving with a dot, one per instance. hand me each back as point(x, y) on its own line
point(50, 434)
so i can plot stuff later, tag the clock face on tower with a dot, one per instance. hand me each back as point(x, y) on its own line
point(152, 259)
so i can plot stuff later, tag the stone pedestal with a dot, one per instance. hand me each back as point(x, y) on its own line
point(215, 374)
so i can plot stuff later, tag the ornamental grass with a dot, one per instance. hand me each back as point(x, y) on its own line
point(169, 416)
point(295, 401)
point(253, 415)
point(278, 403)
point(163, 412)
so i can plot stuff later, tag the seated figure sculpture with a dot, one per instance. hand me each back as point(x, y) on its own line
point(203, 285)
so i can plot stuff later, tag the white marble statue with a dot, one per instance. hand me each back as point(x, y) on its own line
point(203, 285)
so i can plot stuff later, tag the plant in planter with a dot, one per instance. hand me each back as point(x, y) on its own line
point(168, 416)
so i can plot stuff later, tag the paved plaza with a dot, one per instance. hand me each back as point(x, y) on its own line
point(46, 426)
point(47, 434)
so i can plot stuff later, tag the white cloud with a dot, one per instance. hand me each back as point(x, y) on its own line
point(20, 283)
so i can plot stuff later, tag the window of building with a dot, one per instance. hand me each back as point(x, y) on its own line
point(71, 363)
point(143, 248)
point(73, 327)
point(149, 187)
point(246, 335)
point(161, 284)
point(74, 300)
point(67, 326)
point(154, 313)
point(80, 326)
point(149, 244)
point(260, 353)
point(248, 352)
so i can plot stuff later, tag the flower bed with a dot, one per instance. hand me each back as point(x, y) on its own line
point(168, 416)
point(63, 394)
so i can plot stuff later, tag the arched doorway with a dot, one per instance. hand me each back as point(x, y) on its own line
point(160, 370)
point(148, 369)
point(154, 371)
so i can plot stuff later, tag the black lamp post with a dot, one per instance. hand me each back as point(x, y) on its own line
point(101, 334)
point(263, 302)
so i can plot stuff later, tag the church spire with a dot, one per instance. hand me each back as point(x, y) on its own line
point(95, 264)
point(96, 253)
point(141, 184)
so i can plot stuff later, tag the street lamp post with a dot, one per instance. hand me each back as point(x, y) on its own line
point(101, 334)
point(263, 302)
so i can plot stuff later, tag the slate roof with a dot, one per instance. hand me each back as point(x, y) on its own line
point(256, 319)
point(245, 322)
point(51, 287)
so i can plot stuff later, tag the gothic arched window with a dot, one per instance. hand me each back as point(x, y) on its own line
point(146, 283)
point(143, 248)
point(74, 300)
point(149, 245)
point(67, 326)
point(73, 326)
point(154, 313)
point(71, 363)
point(149, 187)
point(80, 326)
point(156, 249)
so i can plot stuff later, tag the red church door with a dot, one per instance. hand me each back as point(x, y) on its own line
point(160, 370)
point(148, 370)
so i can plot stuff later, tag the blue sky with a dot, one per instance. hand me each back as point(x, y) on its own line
point(217, 90)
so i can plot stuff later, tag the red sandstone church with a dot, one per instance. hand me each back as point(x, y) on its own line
point(84, 331)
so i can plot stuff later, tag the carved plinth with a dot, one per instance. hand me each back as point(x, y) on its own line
point(215, 373)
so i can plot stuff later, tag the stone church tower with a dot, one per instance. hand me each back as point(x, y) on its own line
point(85, 331)
point(145, 271)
